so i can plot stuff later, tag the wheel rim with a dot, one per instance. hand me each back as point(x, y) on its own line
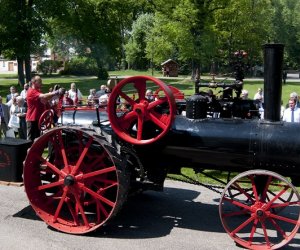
point(176, 92)
point(72, 181)
point(142, 122)
point(46, 120)
point(262, 215)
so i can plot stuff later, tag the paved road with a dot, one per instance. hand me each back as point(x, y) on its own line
point(184, 216)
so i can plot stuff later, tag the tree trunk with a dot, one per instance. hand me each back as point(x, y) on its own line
point(27, 68)
point(21, 79)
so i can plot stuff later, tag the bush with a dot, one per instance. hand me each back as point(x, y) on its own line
point(102, 74)
point(84, 66)
point(49, 66)
point(81, 66)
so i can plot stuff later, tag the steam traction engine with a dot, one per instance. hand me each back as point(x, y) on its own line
point(77, 177)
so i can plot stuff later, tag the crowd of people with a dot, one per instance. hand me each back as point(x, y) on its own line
point(288, 113)
point(20, 114)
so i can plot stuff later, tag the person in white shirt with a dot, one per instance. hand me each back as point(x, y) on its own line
point(259, 98)
point(75, 94)
point(244, 95)
point(23, 93)
point(292, 113)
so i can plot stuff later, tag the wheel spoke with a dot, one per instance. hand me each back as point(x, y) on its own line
point(285, 204)
point(224, 215)
point(140, 127)
point(244, 224)
point(126, 120)
point(280, 198)
point(278, 228)
point(264, 194)
point(265, 233)
point(50, 185)
point(108, 187)
point(157, 103)
point(100, 208)
point(268, 205)
point(238, 204)
point(98, 196)
point(73, 213)
point(127, 98)
point(157, 121)
point(52, 167)
point(288, 220)
point(140, 85)
point(61, 202)
point(82, 155)
point(78, 204)
point(254, 187)
point(236, 185)
point(253, 230)
point(62, 148)
point(95, 173)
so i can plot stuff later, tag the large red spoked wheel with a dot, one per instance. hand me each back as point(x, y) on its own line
point(46, 120)
point(74, 181)
point(260, 210)
point(144, 121)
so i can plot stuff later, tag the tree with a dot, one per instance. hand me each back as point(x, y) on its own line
point(98, 27)
point(22, 25)
point(136, 46)
point(244, 25)
point(286, 29)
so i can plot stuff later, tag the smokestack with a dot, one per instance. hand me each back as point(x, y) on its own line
point(273, 62)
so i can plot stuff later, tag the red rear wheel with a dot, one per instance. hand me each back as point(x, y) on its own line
point(143, 121)
point(260, 210)
point(73, 182)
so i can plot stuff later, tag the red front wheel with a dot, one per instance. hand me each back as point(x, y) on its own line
point(260, 210)
point(142, 120)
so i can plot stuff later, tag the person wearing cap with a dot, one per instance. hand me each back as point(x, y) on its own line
point(292, 113)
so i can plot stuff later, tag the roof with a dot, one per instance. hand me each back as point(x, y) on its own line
point(169, 60)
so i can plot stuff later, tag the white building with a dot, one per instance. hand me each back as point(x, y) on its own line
point(11, 66)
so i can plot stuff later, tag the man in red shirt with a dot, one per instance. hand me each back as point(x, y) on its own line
point(36, 104)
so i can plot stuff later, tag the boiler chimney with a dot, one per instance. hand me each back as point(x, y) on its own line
point(273, 61)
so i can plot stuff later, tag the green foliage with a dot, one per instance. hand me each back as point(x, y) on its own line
point(136, 46)
point(193, 33)
point(49, 66)
point(83, 66)
point(102, 74)
point(286, 23)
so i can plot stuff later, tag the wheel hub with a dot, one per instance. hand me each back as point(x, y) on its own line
point(69, 180)
point(260, 213)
